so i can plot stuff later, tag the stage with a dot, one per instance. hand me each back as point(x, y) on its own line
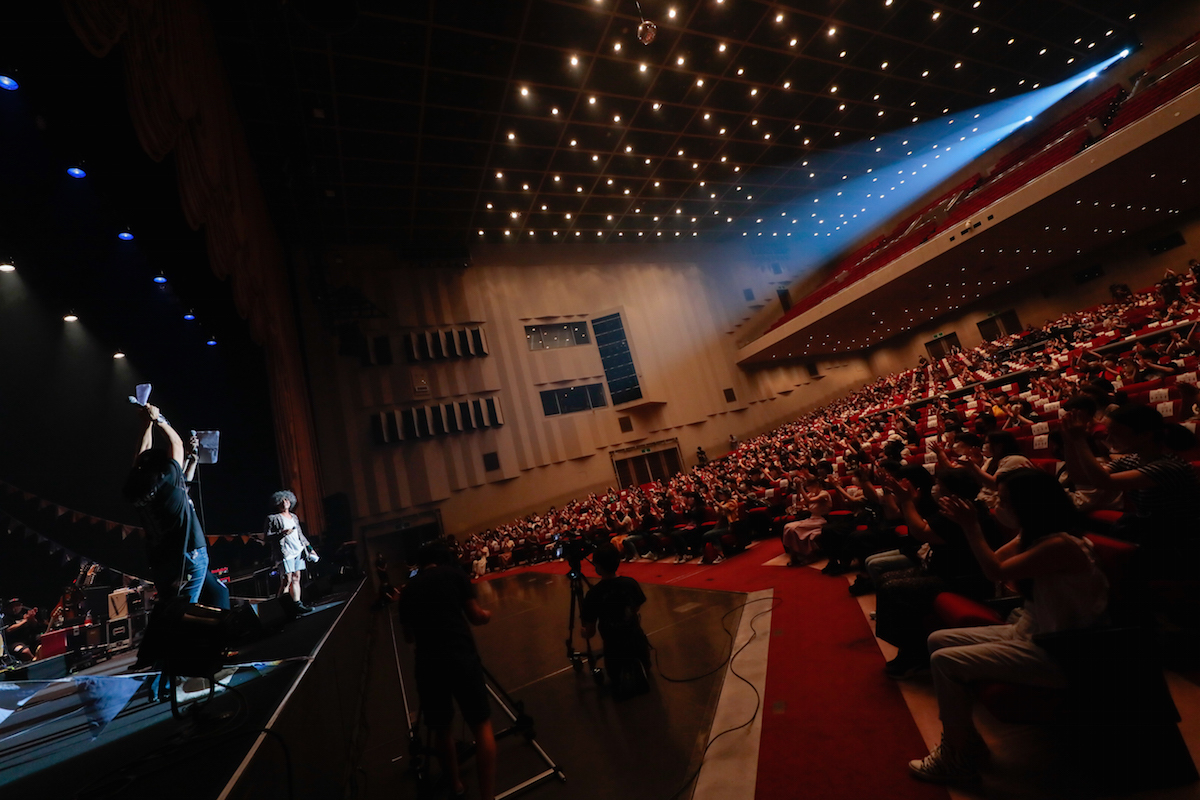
point(54, 741)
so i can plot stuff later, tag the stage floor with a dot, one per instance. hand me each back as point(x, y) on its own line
point(47, 748)
point(646, 746)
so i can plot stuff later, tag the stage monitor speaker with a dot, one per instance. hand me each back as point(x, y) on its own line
point(271, 614)
point(96, 599)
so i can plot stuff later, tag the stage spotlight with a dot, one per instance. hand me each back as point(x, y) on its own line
point(76, 172)
point(70, 317)
point(125, 235)
point(8, 83)
point(118, 354)
point(212, 341)
point(7, 266)
point(160, 279)
point(189, 316)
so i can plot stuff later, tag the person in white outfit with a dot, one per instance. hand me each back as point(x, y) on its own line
point(292, 548)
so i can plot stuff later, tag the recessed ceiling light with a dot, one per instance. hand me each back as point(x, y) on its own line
point(831, 31)
point(524, 92)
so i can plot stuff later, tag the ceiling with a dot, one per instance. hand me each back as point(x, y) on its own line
point(432, 125)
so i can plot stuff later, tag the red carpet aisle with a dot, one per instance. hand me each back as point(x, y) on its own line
point(834, 726)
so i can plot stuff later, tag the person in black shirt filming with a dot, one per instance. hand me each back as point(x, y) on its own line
point(438, 606)
point(612, 605)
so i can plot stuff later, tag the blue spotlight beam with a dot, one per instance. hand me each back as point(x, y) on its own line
point(829, 221)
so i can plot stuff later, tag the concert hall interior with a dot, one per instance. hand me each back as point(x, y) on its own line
point(796, 304)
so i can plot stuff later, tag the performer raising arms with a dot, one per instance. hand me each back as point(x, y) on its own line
point(175, 544)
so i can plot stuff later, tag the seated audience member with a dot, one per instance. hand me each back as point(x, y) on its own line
point(1086, 498)
point(1163, 489)
point(612, 606)
point(23, 631)
point(1001, 454)
point(1064, 589)
point(800, 537)
point(727, 508)
point(904, 597)
point(688, 538)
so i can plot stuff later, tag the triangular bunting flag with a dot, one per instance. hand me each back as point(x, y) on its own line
point(126, 530)
point(109, 525)
point(76, 516)
point(15, 694)
point(104, 696)
point(212, 540)
point(228, 537)
point(43, 503)
point(245, 540)
point(59, 511)
point(26, 495)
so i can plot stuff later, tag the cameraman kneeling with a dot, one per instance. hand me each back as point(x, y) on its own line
point(614, 604)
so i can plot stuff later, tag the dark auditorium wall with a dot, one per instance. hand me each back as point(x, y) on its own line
point(682, 306)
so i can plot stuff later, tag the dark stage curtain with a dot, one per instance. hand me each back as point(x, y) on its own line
point(180, 103)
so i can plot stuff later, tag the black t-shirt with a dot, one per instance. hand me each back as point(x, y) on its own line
point(613, 602)
point(27, 634)
point(170, 520)
point(432, 607)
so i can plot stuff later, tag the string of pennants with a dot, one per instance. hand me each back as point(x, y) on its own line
point(32, 503)
point(75, 516)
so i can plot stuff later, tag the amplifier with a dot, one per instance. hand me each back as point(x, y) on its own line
point(63, 640)
point(118, 632)
point(124, 602)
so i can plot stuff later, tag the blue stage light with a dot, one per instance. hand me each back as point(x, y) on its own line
point(211, 342)
point(8, 83)
point(160, 278)
point(125, 236)
point(189, 316)
point(76, 172)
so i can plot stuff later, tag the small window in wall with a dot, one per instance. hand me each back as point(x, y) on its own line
point(572, 399)
point(551, 337)
point(942, 346)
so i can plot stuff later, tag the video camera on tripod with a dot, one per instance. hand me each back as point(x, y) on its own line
point(574, 548)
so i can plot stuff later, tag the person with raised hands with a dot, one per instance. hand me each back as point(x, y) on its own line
point(1052, 564)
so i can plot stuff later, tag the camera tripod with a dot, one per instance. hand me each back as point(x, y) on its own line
point(522, 724)
point(578, 581)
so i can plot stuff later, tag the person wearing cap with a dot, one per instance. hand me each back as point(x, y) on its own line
point(23, 631)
